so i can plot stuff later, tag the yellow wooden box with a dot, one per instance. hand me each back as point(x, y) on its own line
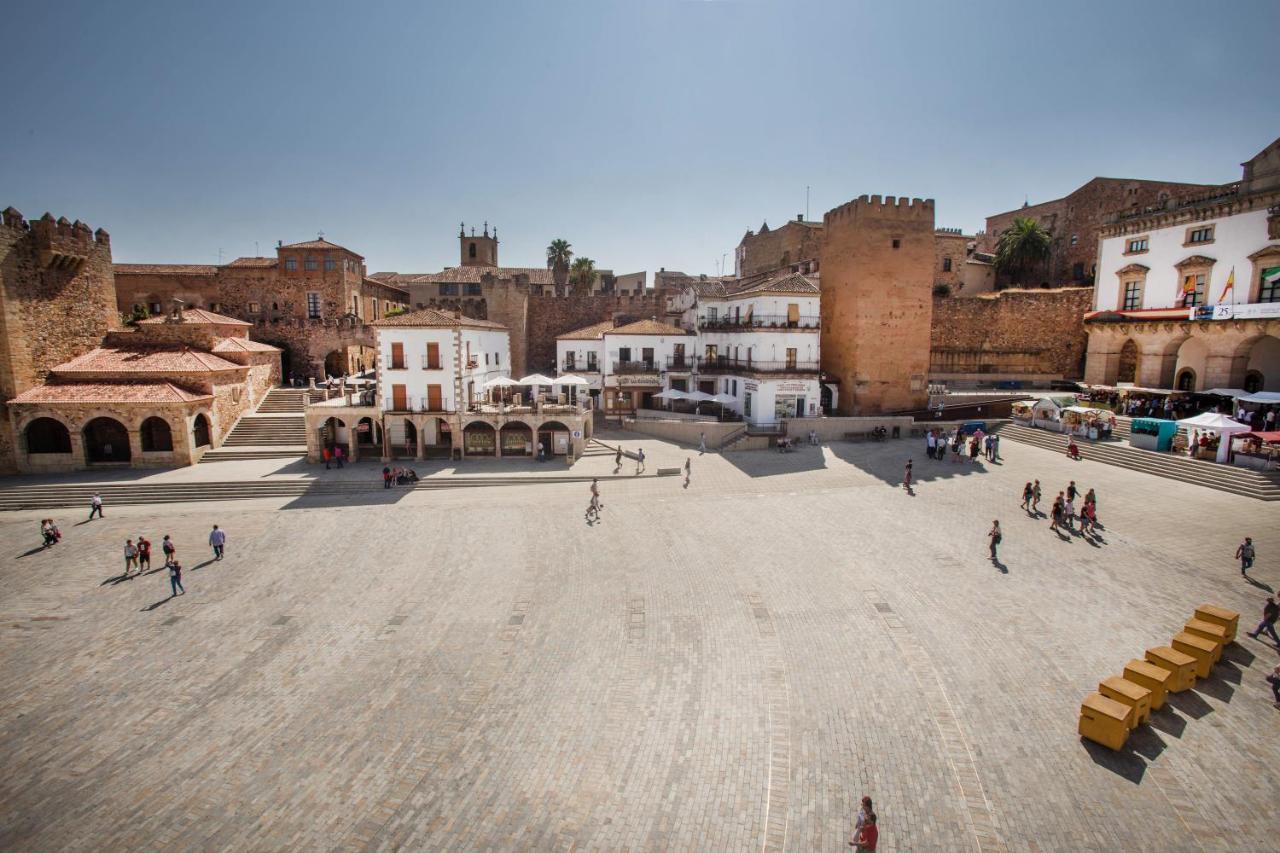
point(1128, 693)
point(1181, 666)
point(1151, 677)
point(1215, 634)
point(1199, 648)
point(1105, 721)
point(1228, 619)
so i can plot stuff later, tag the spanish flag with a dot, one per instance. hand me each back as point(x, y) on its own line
point(1189, 284)
point(1231, 283)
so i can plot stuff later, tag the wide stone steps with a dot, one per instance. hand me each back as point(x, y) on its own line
point(284, 401)
point(1226, 478)
point(52, 496)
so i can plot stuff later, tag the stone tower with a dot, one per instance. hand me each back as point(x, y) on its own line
point(877, 302)
point(479, 251)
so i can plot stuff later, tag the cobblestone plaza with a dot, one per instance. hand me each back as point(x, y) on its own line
point(727, 666)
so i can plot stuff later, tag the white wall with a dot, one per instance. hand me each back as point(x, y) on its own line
point(1235, 238)
point(663, 347)
point(770, 305)
point(416, 376)
point(765, 345)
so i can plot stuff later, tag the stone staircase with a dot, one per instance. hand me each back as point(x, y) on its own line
point(276, 429)
point(1226, 478)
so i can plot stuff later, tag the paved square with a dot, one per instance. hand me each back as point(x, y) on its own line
point(728, 666)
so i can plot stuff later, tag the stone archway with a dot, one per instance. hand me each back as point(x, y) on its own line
point(155, 435)
point(517, 439)
point(200, 431)
point(369, 432)
point(1192, 359)
point(1127, 368)
point(335, 363)
point(1262, 364)
point(479, 439)
point(549, 432)
point(47, 435)
point(106, 440)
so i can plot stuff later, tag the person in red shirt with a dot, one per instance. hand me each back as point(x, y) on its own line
point(144, 554)
point(869, 835)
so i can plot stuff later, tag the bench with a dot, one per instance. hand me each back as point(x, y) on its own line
point(668, 472)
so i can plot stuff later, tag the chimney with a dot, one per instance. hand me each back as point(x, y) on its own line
point(799, 217)
point(279, 244)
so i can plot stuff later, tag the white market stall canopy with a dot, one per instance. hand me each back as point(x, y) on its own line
point(1262, 397)
point(671, 394)
point(1227, 392)
point(570, 379)
point(536, 379)
point(1221, 424)
point(500, 382)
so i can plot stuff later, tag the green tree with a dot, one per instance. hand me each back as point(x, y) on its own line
point(559, 253)
point(1022, 248)
point(583, 276)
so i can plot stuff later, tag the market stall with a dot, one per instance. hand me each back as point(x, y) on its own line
point(1152, 434)
point(1257, 450)
point(1087, 422)
point(1216, 430)
point(1047, 412)
point(1021, 411)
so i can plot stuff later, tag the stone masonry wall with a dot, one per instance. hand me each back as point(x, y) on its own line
point(1011, 332)
point(786, 244)
point(550, 316)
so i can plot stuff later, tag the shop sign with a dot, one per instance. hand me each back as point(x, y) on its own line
point(1227, 311)
point(793, 386)
point(643, 380)
point(750, 386)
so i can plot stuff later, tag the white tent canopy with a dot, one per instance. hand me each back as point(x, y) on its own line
point(1262, 397)
point(536, 379)
point(500, 382)
point(671, 394)
point(1224, 426)
point(724, 399)
point(1227, 392)
point(570, 379)
point(699, 396)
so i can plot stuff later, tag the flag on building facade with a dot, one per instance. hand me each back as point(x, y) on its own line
point(1189, 284)
point(1231, 283)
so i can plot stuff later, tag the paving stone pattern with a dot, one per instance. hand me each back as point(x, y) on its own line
point(728, 666)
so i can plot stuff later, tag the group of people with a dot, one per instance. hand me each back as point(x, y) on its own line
point(398, 477)
point(334, 456)
point(49, 532)
point(1063, 515)
point(980, 442)
point(866, 834)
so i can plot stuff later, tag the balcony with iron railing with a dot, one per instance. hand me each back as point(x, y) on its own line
point(720, 364)
point(682, 363)
point(759, 321)
point(570, 365)
point(625, 367)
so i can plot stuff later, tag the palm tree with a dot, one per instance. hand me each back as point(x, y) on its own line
point(558, 255)
point(1022, 247)
point(583, 276)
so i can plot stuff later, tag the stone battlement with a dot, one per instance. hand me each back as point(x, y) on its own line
point(60, 243)
point(888, 206)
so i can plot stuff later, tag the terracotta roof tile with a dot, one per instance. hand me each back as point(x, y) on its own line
point(243, 345)
point(321, 244)
point(164, 269)
point(109, 392)
point(588, 333)
point(785, 283)
point(254, 262)
point(648, 327)
point(145, 360)
point(433, 318)
point(391, 284)
point(465, 275)
point(193, 316)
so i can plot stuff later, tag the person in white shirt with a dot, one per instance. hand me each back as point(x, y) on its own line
point(218, 540)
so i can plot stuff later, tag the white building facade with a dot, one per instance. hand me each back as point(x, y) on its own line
point(1187, 296)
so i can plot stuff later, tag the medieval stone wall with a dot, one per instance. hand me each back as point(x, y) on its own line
point(1011, 332)
point(551, 316)
point(953, 247)
point(786, 244)
point(877, 302)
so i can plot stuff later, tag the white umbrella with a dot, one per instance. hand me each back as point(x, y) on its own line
point(724, 399)
point(570, 379)
point(536, 379)
point(500, 382)
point(699, 396)
point(671, 394)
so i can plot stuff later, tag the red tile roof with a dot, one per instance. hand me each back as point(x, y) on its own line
point(164, 269)
point(109, 392)
point(243, 345)
point(145, 360)
point(254, 262)
point(786, 283)
point(648, 327)
point(321, 244)
point(197, 316)
point(465, 275)
point(433, 318)
point(589, 333)
point(388, 284)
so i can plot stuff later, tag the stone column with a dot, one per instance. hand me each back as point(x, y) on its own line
point(1218, 371)
point(135, 445)
point(1154, 365)
point(420, 433)
point(1102, 362)
point(386, 443)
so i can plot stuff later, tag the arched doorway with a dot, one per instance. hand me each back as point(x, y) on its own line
point(369, 432)
point(46, 435)
point(437, 439)
point(334, 433)
point(1263, 365)
point(517, 439)
point(1192, 356)
point(200, 431)
point(106, 440)
point(555, 438)
point(335, 363)
point(155, 435)
point(1127, 370)
point(479, 439)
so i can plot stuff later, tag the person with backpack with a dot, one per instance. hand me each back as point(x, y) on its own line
point(1245, 554)
point(168, 549)
point(175, 578)
point(1027, 495)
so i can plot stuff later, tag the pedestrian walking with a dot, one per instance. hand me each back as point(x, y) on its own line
point(973, 450)
point(1270, 612)
point(1245, 554)
point(386, 477)
point(864, 811)
point(1071, 491)
point(640, 460)
point(1274, 680)
point(1056, 513)
point(144, 554)
point(906, 476)
point(995, 448)
point(987, 443)
point(338, 455)
point(130, 556)
point(168, 549)
point(542, 452)
point(175, 578)
point(1091, 497)
point(930, 443)
point(617, 460)
point(1088, 519)
point(1035, 498)
point(95, 506)
point(813, 437)
point(688, 470)
point(996, 538)
point(1027, 495)
point(218, 541)
point(868, 836)
point(956, 446)
point(702, 443)
point(1069, 514)
point(324, 454)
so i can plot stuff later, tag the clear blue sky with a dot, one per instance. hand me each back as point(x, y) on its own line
point(647, 133)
